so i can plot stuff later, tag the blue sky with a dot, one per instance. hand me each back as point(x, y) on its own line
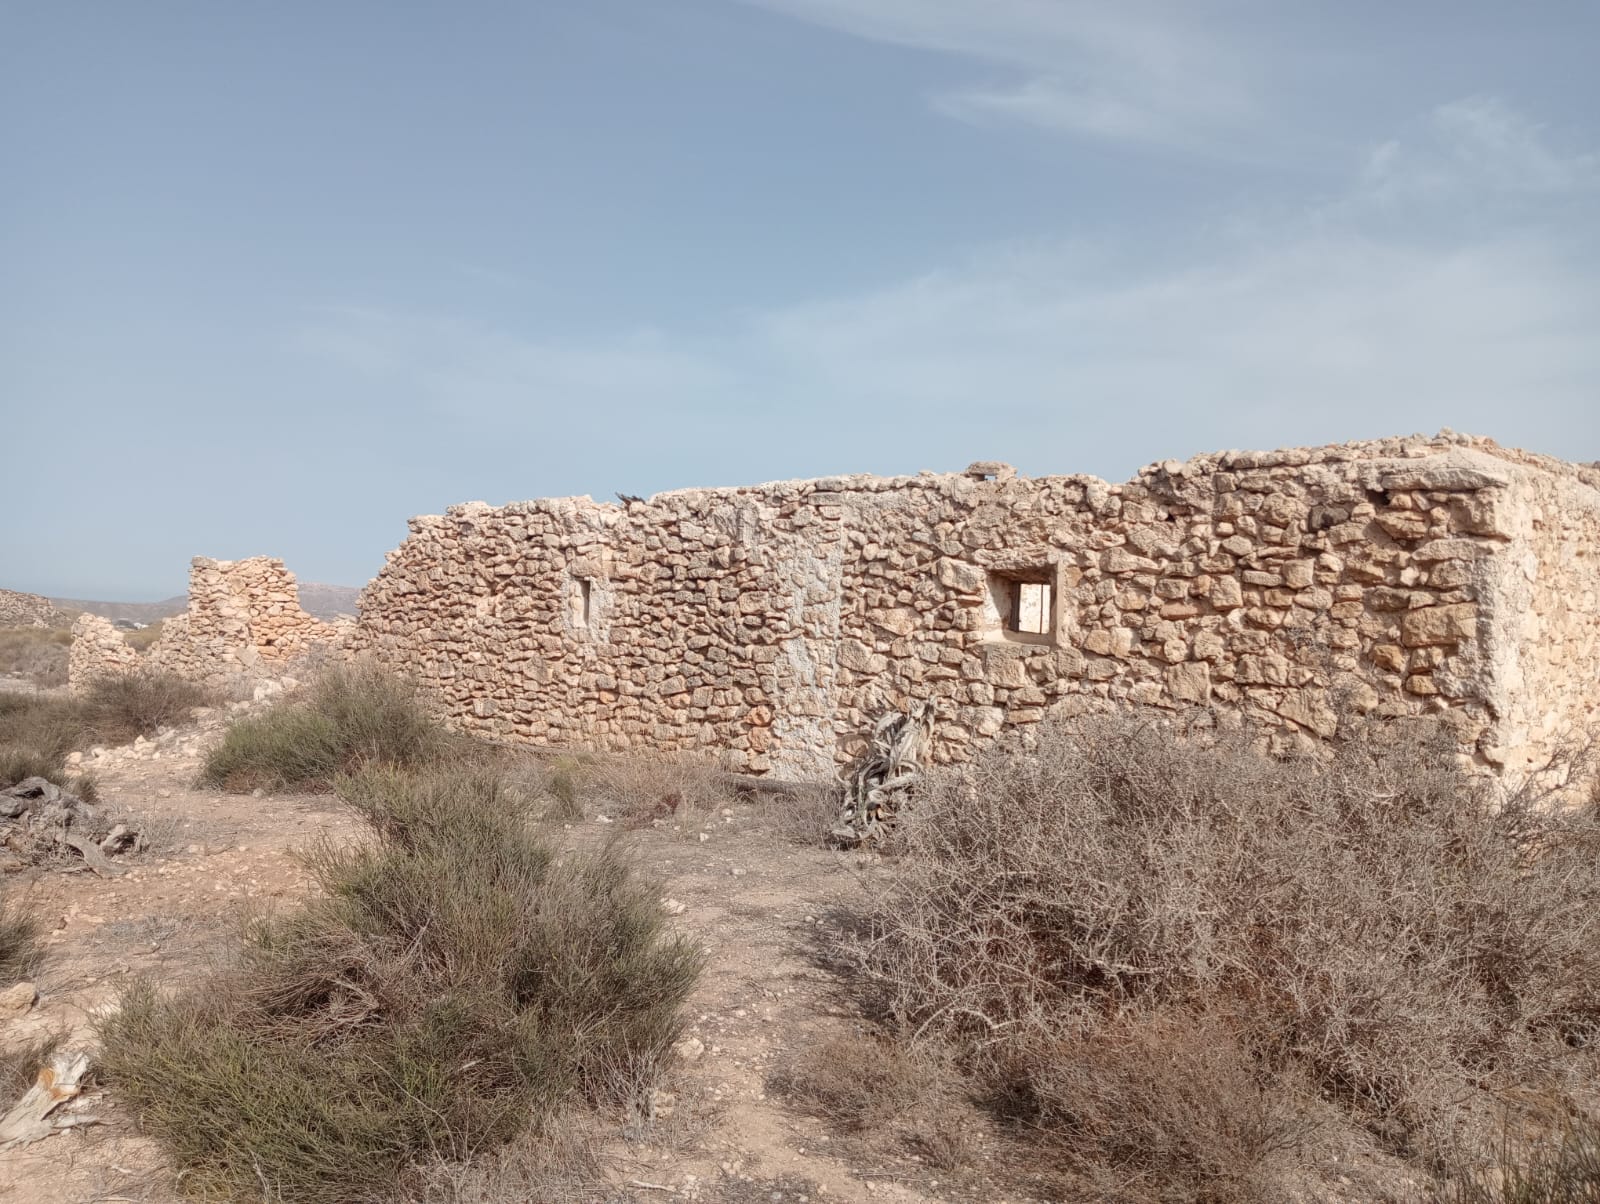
point(275, 277)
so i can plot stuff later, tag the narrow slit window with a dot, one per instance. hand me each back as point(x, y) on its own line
point(582, 601)
point(1030, 612)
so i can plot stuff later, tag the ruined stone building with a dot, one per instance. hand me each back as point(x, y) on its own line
point(772, 623)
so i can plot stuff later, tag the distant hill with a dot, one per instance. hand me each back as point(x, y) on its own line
point(139, 612)
point(326, 601)
point(323, 601)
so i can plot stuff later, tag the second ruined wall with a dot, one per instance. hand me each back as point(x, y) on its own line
point(244, 621)
point(774, 622)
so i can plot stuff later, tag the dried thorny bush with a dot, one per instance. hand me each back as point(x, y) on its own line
point(349, 716)
point(455, 986)
point(1377, 921)
point(1158, 1104)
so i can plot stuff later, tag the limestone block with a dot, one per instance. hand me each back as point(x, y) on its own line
point(1189, 682)
point(1439, 625)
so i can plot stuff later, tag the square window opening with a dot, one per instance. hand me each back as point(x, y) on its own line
point(1022, 605)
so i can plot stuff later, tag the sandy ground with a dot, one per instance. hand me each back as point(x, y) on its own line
point(752, 899)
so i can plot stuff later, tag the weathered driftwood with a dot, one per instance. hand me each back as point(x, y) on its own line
point(35, 1115)
point(887, 768)
point(40, 822)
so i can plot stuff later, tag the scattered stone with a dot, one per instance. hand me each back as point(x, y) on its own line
point(17, 1000)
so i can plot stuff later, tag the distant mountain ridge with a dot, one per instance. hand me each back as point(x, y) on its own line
point(323, 601)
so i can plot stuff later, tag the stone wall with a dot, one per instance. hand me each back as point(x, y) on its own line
point(26, 610)
point(244, 622)
point(773, 622)
point(1547, 679)
point(97, 650)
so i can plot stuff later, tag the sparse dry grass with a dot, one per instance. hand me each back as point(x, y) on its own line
point(456, 986)
point(37, 654)
point(680, 790)
point(805, 815)
point(677, 791)
point(37, 731)
point(886, 1098)
point(859, 1081)
point(1155, 948)
point(1563, 1167)
point(20, 949)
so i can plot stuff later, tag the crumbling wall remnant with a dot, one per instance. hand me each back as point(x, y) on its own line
point(775, 622)
point(26, 610)
point(97, 650)
point(244, 621)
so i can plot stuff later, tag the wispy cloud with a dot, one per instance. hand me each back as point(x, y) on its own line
point(1474, 149)
point(1136, 71)
point(1364, 315)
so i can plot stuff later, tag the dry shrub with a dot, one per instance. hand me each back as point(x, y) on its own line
point(1160, 1105)
point(119, 707)
point(559, 1165)
point(37, 731)
point(350, 716)
point(859, 1081)
point(1376, 921)
point(20, 1065)
point(562, 784)
point(456, 985)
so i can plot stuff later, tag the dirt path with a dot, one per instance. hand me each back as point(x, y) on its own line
point(751, 899)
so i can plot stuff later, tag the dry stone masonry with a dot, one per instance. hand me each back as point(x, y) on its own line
point(26, 610)
point(773, 623)
point(244, 622)
point(97, 650)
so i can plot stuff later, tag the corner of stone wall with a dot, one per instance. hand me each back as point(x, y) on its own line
point(1546, 629)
